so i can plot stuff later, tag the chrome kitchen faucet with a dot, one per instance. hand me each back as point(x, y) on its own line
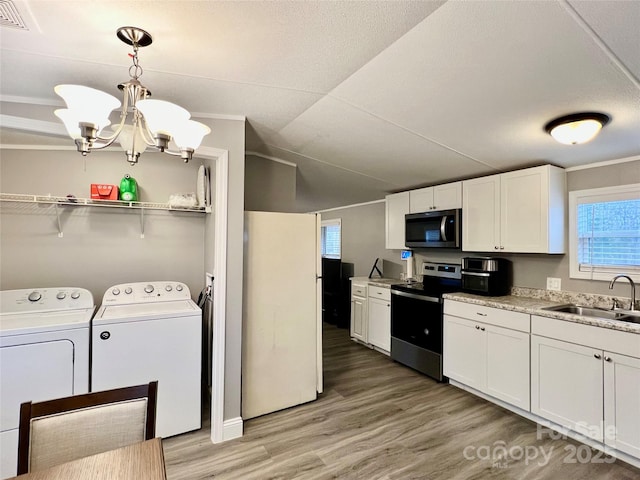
point(632, 307)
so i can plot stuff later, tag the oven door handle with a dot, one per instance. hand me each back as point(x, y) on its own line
point(416, 296)
point(476, 274)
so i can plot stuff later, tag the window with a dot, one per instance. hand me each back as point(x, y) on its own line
point(331, 238)
point(604, 225)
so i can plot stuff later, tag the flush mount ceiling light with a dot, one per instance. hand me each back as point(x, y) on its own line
point(153, 122)
point(576, 128)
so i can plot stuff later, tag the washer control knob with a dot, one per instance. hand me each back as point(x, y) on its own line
point(128, 290)
point(75, 295)
point(168, 288)
point(61, 296)
point(179, 288)
point(115, 291)
point(35, 296)
point(148, 288)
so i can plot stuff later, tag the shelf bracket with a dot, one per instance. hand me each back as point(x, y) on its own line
point(60, 232)
point(142, 222)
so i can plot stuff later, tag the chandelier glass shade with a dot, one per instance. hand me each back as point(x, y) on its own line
point(153, 122)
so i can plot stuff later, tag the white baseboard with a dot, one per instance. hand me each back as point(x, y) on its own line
point(232, 428)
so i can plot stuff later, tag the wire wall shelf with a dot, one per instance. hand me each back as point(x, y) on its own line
point(63, 203)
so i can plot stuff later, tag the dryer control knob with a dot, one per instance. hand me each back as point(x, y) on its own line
point(34, 296)
point(115, 291)
point(61, 296)
point(75, 295)
point(128, 290)
point(168, 288)
point(148, 288)
point(179, 288)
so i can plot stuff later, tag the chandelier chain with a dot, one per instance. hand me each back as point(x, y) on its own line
point(135, 70)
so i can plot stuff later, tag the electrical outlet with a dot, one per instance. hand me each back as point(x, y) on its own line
point(553, 283)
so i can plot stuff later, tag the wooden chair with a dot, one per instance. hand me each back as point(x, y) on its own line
point(65, 429)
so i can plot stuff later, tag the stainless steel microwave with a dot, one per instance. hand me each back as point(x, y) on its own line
point(442, 229)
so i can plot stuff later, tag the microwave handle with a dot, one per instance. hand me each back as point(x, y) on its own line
point(443, 231)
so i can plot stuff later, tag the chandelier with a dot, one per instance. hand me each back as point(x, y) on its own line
point(153, 122)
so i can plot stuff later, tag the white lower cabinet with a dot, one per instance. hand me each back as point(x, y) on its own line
point(379, 312)
point(359, 318)
point(587, 379)
point(491, 359)
point(371, 315)
point(566, 385)
point(583, 378)
point(508, 366)
point(593, 392)
point(464, 350)
point(622, 402)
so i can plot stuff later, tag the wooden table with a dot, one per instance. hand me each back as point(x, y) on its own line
point(140, 461)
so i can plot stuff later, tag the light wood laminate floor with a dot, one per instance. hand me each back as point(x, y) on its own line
point(380, 420)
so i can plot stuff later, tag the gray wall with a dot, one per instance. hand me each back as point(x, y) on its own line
point(363, 236)
point(269, 186)
point(101, 247)
point(363, 239)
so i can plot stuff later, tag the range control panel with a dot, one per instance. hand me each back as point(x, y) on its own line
point(44, 299)
point(145, 292)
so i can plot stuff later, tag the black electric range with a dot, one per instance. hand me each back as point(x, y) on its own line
point(417, 319)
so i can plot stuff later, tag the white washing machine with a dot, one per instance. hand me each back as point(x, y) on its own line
point(151, 331)
point(44, 354)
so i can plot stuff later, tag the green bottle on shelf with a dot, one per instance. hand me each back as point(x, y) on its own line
point(128, 189)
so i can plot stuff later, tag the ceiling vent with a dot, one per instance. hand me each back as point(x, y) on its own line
point(10, 16)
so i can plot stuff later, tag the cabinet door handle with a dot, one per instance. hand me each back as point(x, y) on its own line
point(496, 247)
point(482, 328)
point(477, 327)
point(597, 355)
point(388, 304)
point(501, 247)
point(481, 314)
point(607, 359)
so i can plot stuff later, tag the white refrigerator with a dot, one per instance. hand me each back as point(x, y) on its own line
point(282, 312)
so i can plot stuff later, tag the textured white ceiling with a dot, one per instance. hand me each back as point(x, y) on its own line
point(365, 97)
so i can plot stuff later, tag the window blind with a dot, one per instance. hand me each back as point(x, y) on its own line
point(331, 239)
point(609, 235)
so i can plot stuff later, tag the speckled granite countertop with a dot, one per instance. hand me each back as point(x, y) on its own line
point(532, 301)
point(377, 281)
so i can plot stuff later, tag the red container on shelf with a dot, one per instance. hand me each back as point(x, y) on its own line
point(101, 191)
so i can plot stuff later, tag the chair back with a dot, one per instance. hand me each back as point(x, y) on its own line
point(65, 429)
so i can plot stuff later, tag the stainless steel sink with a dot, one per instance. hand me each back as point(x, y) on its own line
point(596, 312)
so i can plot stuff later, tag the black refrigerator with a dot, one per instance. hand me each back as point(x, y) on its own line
point(335, 291)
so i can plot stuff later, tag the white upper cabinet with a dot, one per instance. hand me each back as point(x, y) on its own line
point(439, 197)
point(481, 214)
point(522, 211)
point(396, 207)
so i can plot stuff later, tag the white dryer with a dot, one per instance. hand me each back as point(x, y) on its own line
point(44, 354)
point(151, 331)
